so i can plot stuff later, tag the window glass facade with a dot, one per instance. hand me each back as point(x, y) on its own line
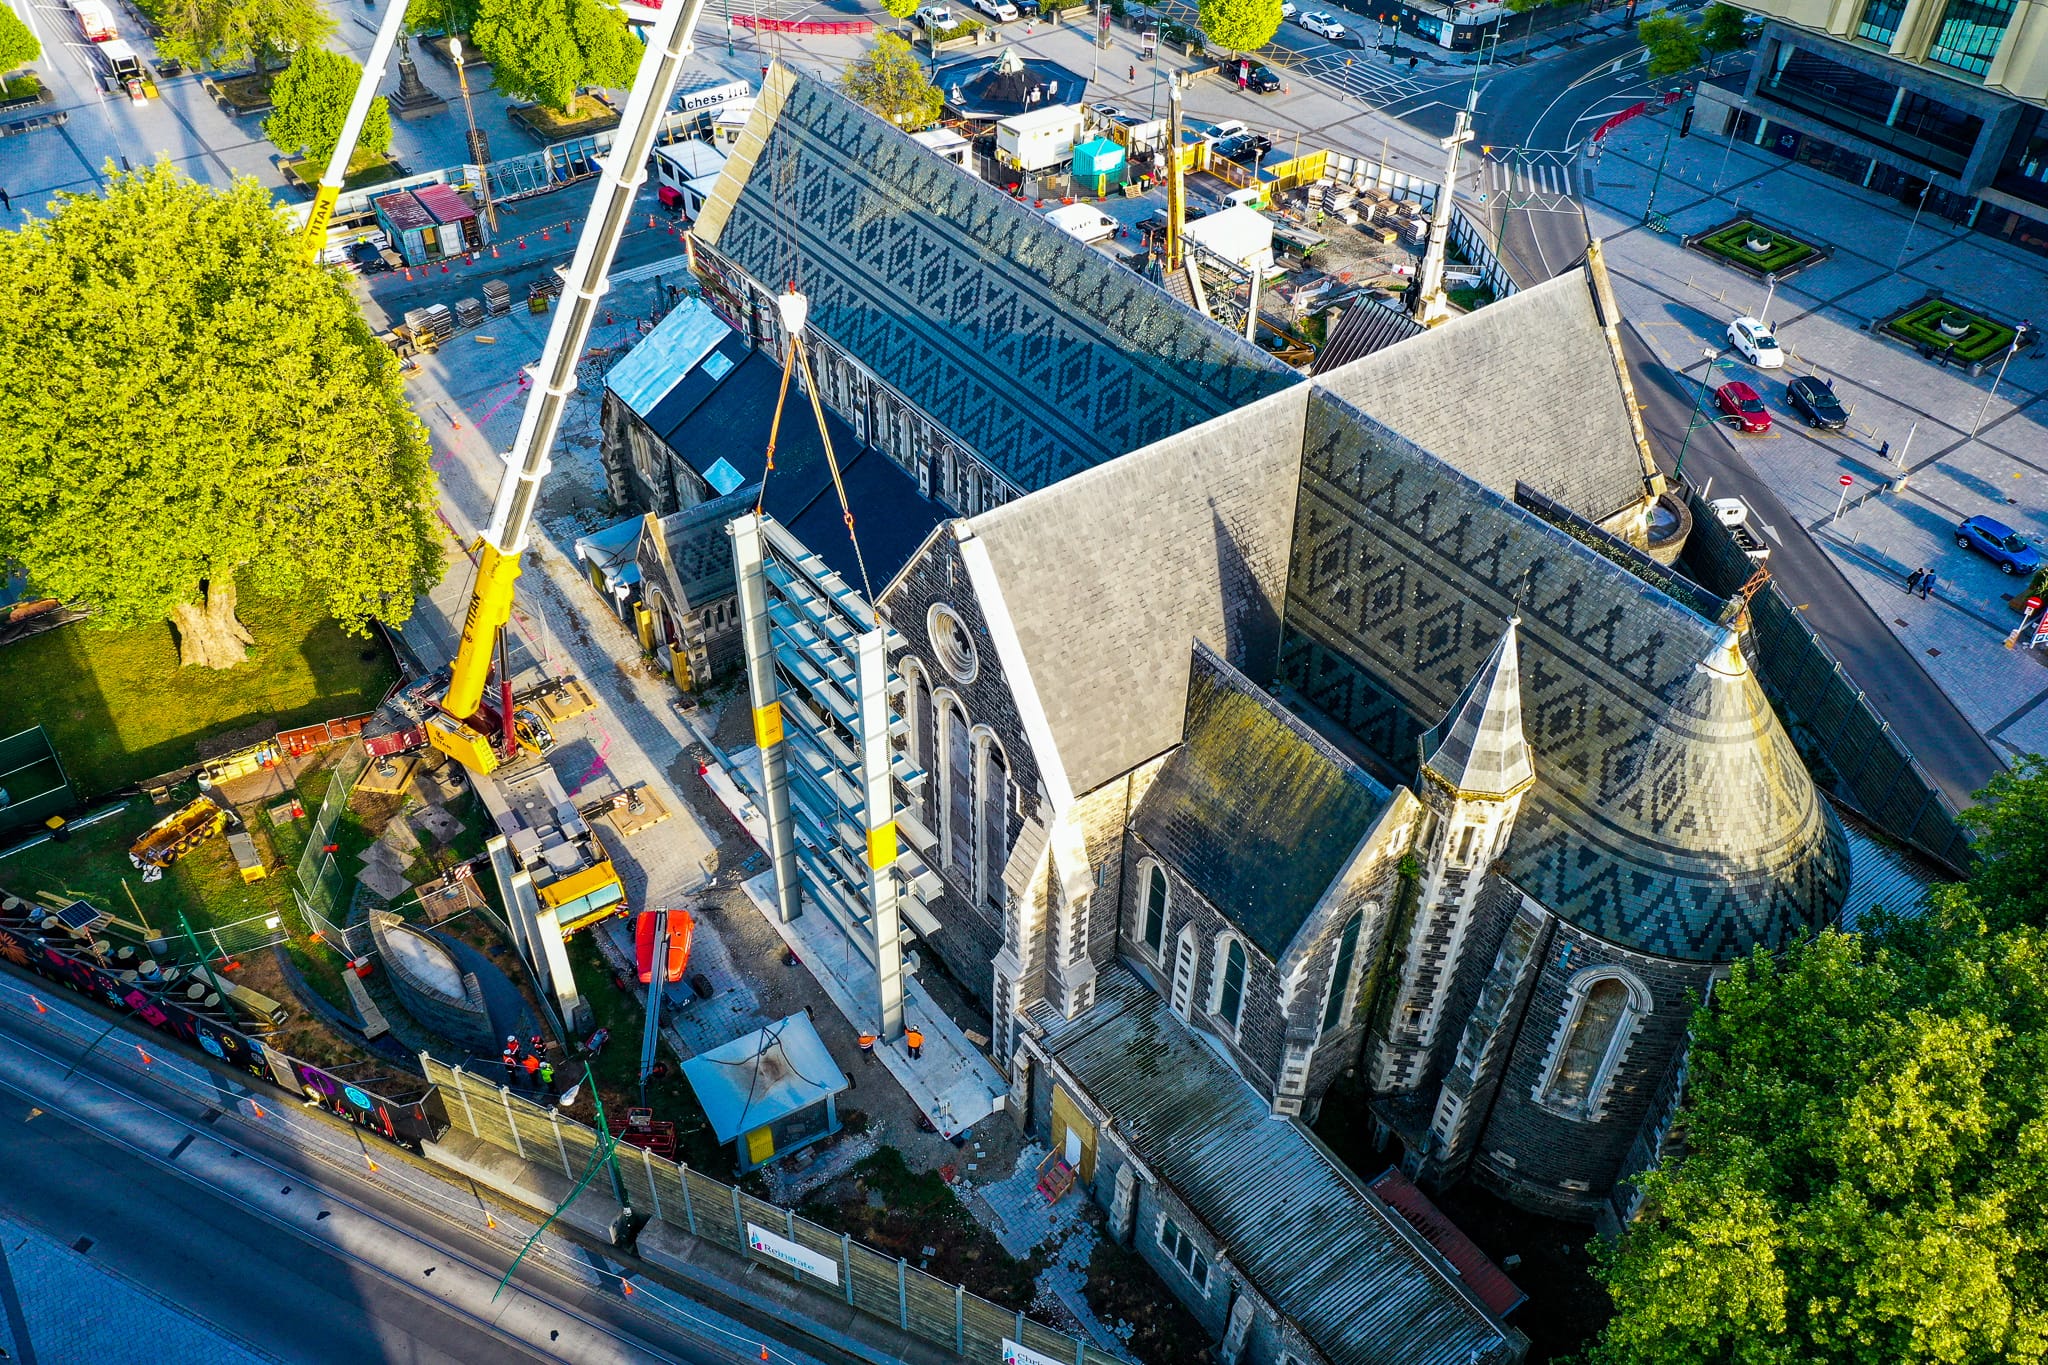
point(1880, 20)
point(1873, 109)
point(1230, 990)
point(1340, 975)
point(1970, 33)
point(1587, 1041)
point(1181, 1248)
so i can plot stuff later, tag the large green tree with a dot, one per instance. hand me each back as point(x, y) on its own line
point(311, 99)
point(185, 407)
point(18, 45)
point(1722, 28)
point(891, 81)
point(225, 33)
point(1239, 25)
point(1864, 1168)
point(547, 50)
point(1674, 44)
point(440, 16)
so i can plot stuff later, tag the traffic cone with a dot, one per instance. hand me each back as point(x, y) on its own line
point(650, 220)
point(41, 1008)
point(494, 251)
point(444, 267)
point(544, 235)
point(259, 1110)
point(408, 273)
point(147, 1060)
point(625, 1285)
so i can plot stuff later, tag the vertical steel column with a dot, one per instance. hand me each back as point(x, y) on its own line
point(878, 815)
point(750, 562)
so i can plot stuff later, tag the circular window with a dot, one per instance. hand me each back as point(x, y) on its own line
point(952, 644)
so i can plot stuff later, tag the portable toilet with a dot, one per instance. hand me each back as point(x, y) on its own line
point(1099, 164)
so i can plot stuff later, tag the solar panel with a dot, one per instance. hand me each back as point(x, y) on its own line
point(82, 917)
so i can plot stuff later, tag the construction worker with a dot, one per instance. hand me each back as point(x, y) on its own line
point(538, 1042)
point(547, 1073)
point(532, 1065)
point(915, 1041)
point(867, 1046)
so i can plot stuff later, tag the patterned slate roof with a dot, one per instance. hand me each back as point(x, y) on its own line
point(1671, 813)
point(1327, 1252)
point(1527, 388)
point(1258, 812)
point(1478, 750)
point(700, 550)
point(1038, 353)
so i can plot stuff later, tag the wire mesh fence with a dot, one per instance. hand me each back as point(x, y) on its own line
point(882, 1286)
point(321, 887)
point(1851, 749)
point(243, 936)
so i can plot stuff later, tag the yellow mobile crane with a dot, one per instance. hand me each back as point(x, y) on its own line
point(313, 237)
point(476, 733)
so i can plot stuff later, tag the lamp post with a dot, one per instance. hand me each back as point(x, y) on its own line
point(1770, 292)
point(1901, 260)
point(479, 146)
point(1693, 419)
point(2019, 335)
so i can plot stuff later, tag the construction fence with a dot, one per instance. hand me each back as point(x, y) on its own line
point(884, 1287)
point(1851, 749)
point(320, 885)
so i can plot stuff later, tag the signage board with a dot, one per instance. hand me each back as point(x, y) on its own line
point(1017, 1353)
point(792, 1254)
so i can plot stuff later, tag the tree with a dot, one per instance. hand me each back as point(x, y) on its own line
point(1722, 28)
point(312, 96)
point(18, 45)
point(547, 50)
point(186, 408)
point(1239, 25)
point(890, 81)
point(1674, 44)
point(900, 9)
point(224, 33)
point(1529, 7)
point(1864, 1174)
point(440, 16)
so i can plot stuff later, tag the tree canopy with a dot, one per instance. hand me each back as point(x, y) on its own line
point(1722, 28)
point(899, 9)
point(184, 405)
point(547, 50)
point(1864, 1174)
point(225, 33)
point(892, 82)
point(440, 16)
point(1674, 44)
point(1239, 25)
point(18, 45)
point(311, 99)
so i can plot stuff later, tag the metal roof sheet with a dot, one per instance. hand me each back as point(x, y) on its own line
point(445, 203)
point(1500, 1294)
point(1881, 875)
point(1326, 1251)
point(403, 212)
point(766, 1075)
point(644, 376)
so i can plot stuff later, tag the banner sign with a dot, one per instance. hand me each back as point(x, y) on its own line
point(1017, 1353)
point(792, 1254)
point(420, 1120)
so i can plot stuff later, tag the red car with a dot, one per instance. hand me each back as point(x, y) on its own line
point(1740, 401)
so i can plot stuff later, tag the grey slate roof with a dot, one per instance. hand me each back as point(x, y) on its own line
point(1525, 388)
point(1038, 353)
point(1108, 575)
point(1478, 749)
point(700, 550)
point(1258, 812)
point(1671, 813)
point(1307, 1232)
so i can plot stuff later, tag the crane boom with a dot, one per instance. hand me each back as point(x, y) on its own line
point(313, 237)
point(466, 729)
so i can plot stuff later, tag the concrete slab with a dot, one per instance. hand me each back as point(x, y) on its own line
point(387, 882)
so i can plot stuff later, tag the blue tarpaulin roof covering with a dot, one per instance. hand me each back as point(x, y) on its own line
point(666, 355)
point(769, 1074)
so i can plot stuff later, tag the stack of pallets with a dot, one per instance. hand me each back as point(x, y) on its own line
point(497, 298)
point(468, 313)
point(432, 321)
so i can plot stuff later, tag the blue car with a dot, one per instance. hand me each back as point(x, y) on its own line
point(1998, 543)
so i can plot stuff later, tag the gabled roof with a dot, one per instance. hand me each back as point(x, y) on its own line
point(1475, 1267)
point(1478, 749)
point(1367, 326)
point(1526, 388)
point(1107, 577)
point(1040, 354)
point(699, 549)
point(1671, 813)
point(1258, 812)
point(1327, 1253)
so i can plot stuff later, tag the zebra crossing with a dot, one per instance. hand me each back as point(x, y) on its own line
point(1360, 76)
point(1520, 178)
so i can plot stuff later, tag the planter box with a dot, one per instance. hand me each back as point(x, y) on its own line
point(543, 125)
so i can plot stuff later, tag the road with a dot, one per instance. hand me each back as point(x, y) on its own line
point(278, 1249)
point(1946, 745)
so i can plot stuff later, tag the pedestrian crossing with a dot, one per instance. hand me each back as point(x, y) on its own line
point(1361, 76)
point(1520, 178)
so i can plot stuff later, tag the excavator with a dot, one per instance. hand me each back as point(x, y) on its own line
point(477, 731)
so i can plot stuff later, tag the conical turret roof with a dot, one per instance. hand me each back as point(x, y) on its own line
point(1478, 750)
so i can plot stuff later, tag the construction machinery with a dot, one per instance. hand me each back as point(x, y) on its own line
point(480, 733)
point(313, 237)
point(177, 834)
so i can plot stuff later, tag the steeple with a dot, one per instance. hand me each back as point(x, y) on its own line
point(1478, 750)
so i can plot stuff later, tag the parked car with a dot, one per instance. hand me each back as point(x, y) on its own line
point(1998, 543)
point(935, 18)
point(367, 258)
point(1324, 25)
point(1259, 77)
point(1000, 10)
point(1815, 399)
point(1288, 9)
point(1741, 402)
point(1756, 343)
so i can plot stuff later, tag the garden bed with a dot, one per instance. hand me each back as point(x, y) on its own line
point(587, 114)
point(365, 168)
point(1955, 334)
point(1757, 248)
point(244, 95)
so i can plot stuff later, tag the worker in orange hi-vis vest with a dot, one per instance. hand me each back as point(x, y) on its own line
point(915, 1041)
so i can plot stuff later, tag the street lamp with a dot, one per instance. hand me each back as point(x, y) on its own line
point(479, 146)
point(1693, 419)
point(1911, 226)
point(1771, 292)
point(2019, 335)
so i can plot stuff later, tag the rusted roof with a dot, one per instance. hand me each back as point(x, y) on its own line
point(403, 212)
point(1499, 1293)
point(444, 203)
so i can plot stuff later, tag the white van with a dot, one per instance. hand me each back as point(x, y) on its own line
point(1084, 222)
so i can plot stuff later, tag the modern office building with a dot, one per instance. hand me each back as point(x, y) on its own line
point(1941, 98)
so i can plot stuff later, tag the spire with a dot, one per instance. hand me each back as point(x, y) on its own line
point(1478, 750)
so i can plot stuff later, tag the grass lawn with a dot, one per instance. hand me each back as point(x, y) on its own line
point(119, 708)
point(1732, 243)
point(1982, 337)
point(583, 111)
point(365, 167)
point(22, 87)
point(1470, 297)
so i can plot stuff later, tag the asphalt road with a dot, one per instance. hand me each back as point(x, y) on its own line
point(1947, 746)
point(288, 1253)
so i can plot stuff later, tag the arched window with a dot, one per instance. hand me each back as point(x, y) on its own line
point(994, 801)
point(959, 814)
point(1340, 974)
point(1153, 923)
point(1600, 1013)
point(1230, 970)
point(924, 748)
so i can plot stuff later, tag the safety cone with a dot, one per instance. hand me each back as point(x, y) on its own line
point(41, 1008)
point(650, 220)
point(544, 235)
point(522, 244)
point(408, 273)
point(625, 1285)
point(370, 1162)
point(764, 1353)
point(444, 267)
point(147, 1060)
point(259, 1110)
